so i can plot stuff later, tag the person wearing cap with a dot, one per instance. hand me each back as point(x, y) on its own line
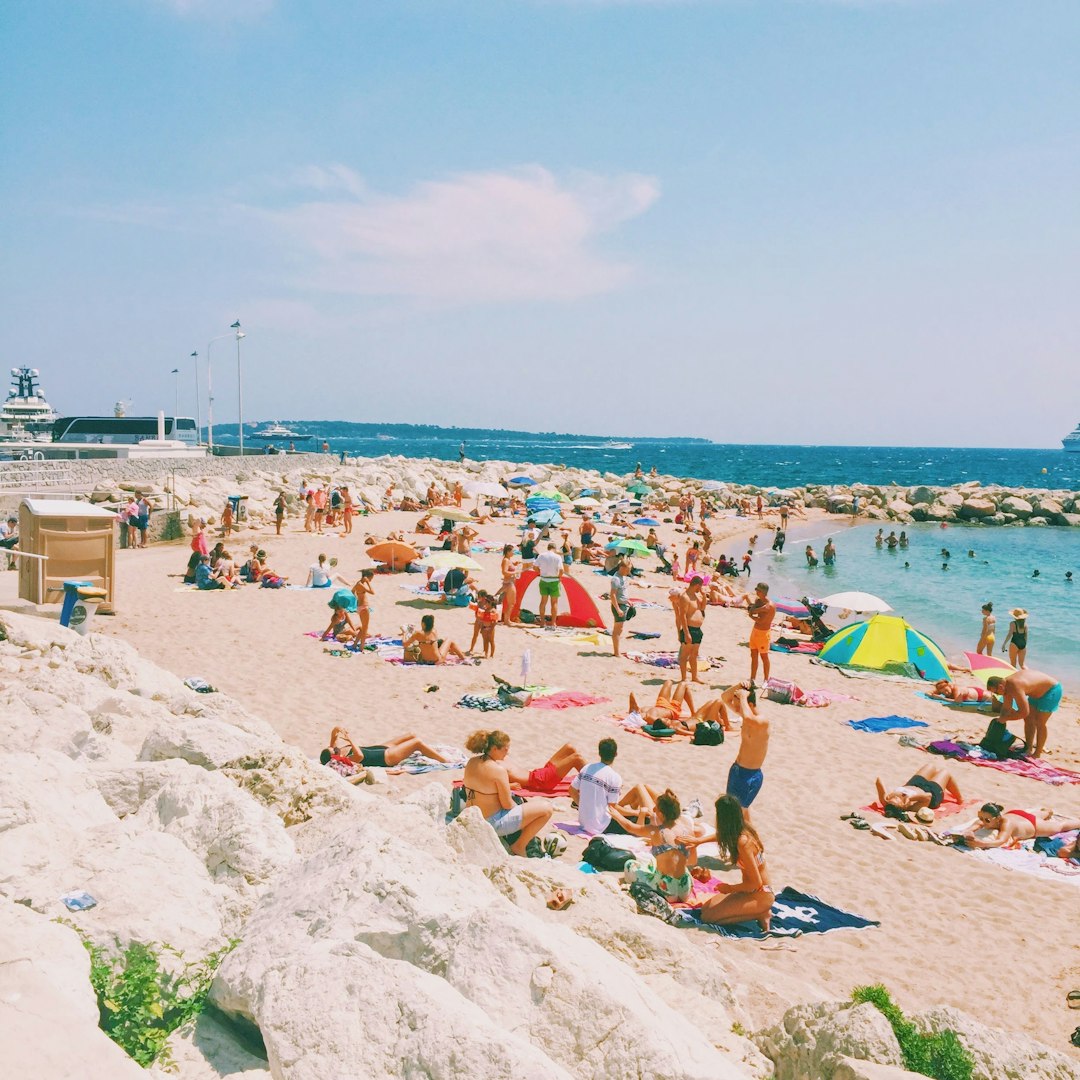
point(1016, 640)
point(1030, 696)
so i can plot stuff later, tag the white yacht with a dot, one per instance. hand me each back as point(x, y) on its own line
point(278, 431)
point(1072, 440)
point(26, 414)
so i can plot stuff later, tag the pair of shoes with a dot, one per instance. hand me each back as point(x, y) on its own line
point(857, 822)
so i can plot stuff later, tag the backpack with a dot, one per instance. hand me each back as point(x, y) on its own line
point(708, 733)
point(999, 740)
point(780, 691)
point(600, 855)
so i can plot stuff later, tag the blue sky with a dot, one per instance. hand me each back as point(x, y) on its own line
point(748, 221)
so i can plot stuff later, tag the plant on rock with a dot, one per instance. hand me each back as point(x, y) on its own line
point(939, 1055)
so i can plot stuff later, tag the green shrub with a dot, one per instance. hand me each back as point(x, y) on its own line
point(939, 1055)
point(141, 1004)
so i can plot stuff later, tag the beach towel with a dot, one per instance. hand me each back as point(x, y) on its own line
point(566, 699)
point(807, 648)
point(484, 704)
point(950, 806)
point(645, 635)
point(634, 728)
point(984, 705)
point(794, 914)
point(619, 840)
point(416, 763)
point(885, 723)
point(1025, 859)
point(1032, 768)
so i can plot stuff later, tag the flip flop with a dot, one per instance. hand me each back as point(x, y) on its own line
point(1072, 999)
point(560, 899)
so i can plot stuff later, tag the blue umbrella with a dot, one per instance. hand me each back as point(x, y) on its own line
point(646, 521)
point(524, 481)
point(586, 492)
point(547, 517)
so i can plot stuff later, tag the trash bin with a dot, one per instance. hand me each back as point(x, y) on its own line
point(239, 507)
point(81, 600)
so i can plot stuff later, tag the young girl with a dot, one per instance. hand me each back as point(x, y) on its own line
point(510, 568)
point(693, 553)
point(487, 618)
point(752, 897)
point(364, 590)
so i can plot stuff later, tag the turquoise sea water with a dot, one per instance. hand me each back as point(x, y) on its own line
point(946, 603)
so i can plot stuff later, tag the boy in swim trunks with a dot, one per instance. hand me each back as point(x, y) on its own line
point(548, 777)
point(745, 776)
point(1030, 696)
point(762, 610)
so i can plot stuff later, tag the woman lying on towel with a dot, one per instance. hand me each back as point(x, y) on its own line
point(752, 896)
point(487, 787)
point(947, 690)
point(667, 867)
point(383, 756)
point(548, 777)
point(668, 709)
point(1015, 825)
point(925, 789)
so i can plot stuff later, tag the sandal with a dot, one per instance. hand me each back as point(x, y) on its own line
point(1072, 999)
point(858, 822)
point(560, 899)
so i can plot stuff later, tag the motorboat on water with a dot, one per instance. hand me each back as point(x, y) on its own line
point(611, 444)
point(26, 415)
point(1072, 440)
point(278, 431)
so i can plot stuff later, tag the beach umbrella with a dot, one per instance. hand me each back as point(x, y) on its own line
point(985, 667)
point(586, 501)
point(886, 643)
point(452, 513)
point(629, 546)
point(547, 517)
point(344, 599)
point(393, 553)
point(521, 481)
point(448, 560)
point(488, 488)
point(638, 488)
point(795, 608)
point(646, 521)
point(861, 602)
point(558, 496)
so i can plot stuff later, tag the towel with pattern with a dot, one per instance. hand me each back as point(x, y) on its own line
point(794, 914)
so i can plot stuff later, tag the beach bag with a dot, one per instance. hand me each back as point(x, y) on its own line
point(780, 691)
point(708, 733)
point(600, 855)
point(658, 730)
point(999, 740)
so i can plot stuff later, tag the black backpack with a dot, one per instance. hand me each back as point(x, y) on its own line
point(708, 733)
point(999, 740)
point(600, 855)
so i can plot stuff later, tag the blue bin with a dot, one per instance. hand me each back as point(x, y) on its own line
point(71, 598)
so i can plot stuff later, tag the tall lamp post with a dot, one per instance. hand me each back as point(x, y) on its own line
point(198, 414)
point(210, 393)
point(176, 396)
point(239, 383)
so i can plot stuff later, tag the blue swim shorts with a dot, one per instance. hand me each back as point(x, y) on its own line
point(1049, 701)
point(744, 784)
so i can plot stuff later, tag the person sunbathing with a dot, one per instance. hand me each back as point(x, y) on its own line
point(669, 704)
point(667, 867)
point(925, 789)
point(548, 777)
point(947, 690)
point(1012, 826)
point(487, 787)
point(429, 648)
point(424, 525)
point(381, 756)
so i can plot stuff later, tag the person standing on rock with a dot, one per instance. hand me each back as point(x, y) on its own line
point(762, 610)
point(1030, 696)
point(461, 454)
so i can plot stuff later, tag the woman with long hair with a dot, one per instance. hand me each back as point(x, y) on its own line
point(739, 843)
point(667, 868)
point(487, 787)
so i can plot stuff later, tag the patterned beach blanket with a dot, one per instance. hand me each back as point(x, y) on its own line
point(794, 914)
point(1032, 768)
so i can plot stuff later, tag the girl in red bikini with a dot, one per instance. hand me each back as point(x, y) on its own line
point(1012, 826)
point(487, 618)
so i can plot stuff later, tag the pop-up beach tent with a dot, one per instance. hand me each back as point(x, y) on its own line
point(886, 643)
point(576, 606)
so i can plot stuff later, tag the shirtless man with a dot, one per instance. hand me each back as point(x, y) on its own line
point(762, 610)
point(745, 776)
point(689, 606)
point(1030, 696)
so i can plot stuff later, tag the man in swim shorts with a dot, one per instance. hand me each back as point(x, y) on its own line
point(745, 776)
point(689, 606)
point(1030, 696)
point(762, 610)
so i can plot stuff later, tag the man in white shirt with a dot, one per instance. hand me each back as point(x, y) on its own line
point(596, 787)
point(550, 565)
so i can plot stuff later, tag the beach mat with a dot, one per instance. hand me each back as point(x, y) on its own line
point(949, 807)
point(1033, 769)
point(794, 914)
point(885, 723)
point(566, 699)
point(1025, 859)
point(981, 705)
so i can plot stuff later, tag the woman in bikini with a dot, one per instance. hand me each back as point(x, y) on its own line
point(509, 568)
point(752, 896)
point(364, 590)
point(669, 704)
point(925, 789)
point(667, 870)
point(947, 690)
point(429, 648)
point(382, 756)
point(986, 636)
point(487, 618)
point(487, 787)
point(1012, 826)
point(1016, 640)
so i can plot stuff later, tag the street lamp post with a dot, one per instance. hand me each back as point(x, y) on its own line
point(239, 384)
point(176, 396)
point(198, 412)
point(210, 393)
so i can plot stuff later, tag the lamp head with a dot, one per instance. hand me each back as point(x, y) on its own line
point(235, 325)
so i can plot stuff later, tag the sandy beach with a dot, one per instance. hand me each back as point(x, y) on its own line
point(954, 930)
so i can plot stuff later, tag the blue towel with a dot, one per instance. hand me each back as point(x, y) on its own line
point(885, 723)
point(953, 704)
point(645, 635)
point(794, 913)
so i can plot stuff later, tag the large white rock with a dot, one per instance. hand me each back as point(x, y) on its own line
point(48, 1010)
point(48, 789)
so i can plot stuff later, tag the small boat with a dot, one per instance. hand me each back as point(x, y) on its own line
point(612, 445)
point(384, 438)
point(278, 431)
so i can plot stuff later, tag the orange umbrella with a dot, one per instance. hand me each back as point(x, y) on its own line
point(394, 553)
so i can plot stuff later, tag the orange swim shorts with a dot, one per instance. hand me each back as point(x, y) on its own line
point(760, 640)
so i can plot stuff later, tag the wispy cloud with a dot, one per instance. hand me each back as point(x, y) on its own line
point(522, 234)
point(216, 10)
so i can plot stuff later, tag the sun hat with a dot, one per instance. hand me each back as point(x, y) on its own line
point(1018, 613)
point(925, 815)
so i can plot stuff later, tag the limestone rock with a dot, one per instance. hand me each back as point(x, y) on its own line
point(852, 1069)
point(921, 495)
point(978, 508)
point(952, 499)
point(1016, 506)
point(204, 742)
point(48, 789)
point(900, 508)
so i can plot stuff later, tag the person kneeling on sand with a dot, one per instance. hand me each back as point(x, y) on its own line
point(925, 789)
point(427, 648)
point(381, 756)
point(548, 777)
point(752, 896)
point(667, 867)
point(487, 787)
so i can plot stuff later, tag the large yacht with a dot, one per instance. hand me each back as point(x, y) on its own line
point(1072, 440)
point(278, 431)
point(26, 414)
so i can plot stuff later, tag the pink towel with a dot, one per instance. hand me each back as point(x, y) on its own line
point(566, 699)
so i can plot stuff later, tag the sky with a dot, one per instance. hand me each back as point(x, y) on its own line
point(743, 220)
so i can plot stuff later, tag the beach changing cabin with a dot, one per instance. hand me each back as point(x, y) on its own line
point(78, 542)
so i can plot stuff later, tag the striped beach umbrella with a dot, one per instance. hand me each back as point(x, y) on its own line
point(886, 643)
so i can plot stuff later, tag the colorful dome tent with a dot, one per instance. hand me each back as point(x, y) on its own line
point(576, 606)
point(886, 643)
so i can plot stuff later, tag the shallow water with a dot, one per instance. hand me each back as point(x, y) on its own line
point(946, 603)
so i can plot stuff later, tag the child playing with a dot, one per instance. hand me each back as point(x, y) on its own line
point(487, 617)
point(747, 559)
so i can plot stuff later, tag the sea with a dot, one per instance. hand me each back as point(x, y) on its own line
point(943, 603)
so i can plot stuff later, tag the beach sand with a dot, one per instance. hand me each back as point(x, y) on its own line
point(999, 944)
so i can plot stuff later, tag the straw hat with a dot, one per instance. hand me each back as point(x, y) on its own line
point(925, 815)
point(1018, 613)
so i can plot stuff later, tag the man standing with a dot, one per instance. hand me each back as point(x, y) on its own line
point(689, 607)
point(762, 610)
point(1030, 696)
point(745, 776)
point(620, 603)
point(784, 515)
point(550, 565)
point(461, 453)
point(595, 788)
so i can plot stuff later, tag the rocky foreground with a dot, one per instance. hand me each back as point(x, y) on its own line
point(375, 940)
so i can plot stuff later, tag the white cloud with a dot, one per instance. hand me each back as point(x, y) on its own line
point(479, 237)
